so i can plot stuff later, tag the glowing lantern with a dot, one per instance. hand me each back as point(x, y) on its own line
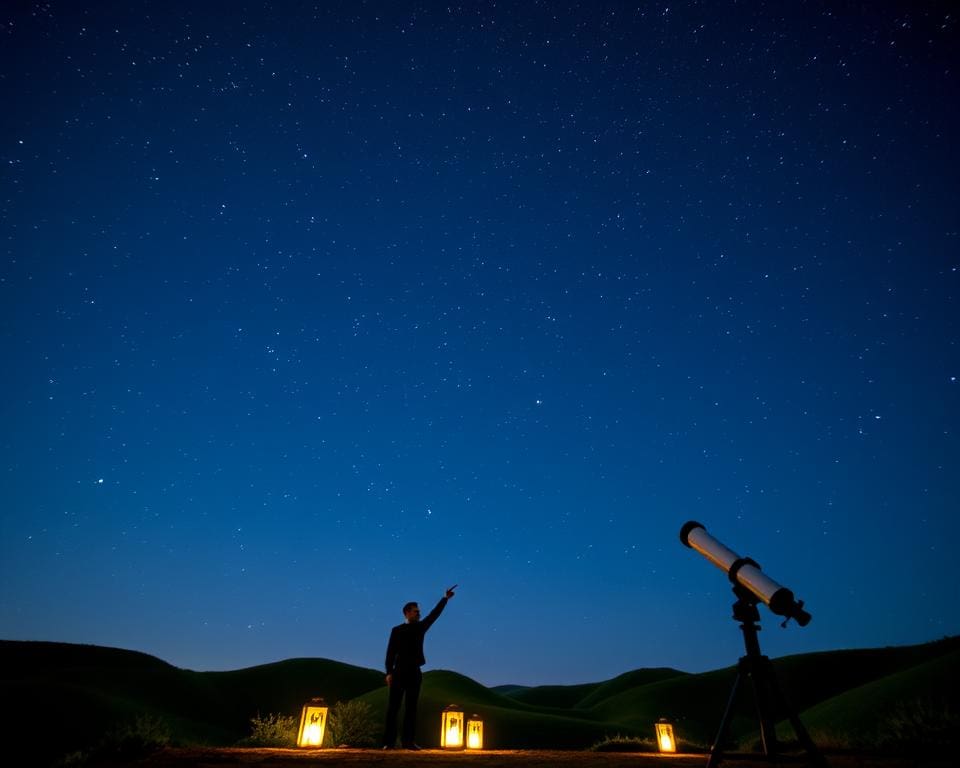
point(313, 722)
point(451, 728)
point(665, 740)
point(474, 732)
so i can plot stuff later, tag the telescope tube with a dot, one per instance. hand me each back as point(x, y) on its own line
point(744, 571)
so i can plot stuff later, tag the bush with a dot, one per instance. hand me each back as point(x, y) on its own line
point(272, 730)
point(76, 759)
point(826, 739)
point(124, 743)
point(920, 725)
point(352, 724)
point(620, 743)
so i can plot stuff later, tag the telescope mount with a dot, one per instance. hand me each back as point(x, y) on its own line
point(769, 699)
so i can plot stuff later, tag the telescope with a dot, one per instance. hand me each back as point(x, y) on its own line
point(745, 572)
point(752, 586)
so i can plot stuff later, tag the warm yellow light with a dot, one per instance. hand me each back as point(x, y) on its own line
point(313, 722)
point(665, 740)
point(474, 733)
point(453, 734)
point(451, 728)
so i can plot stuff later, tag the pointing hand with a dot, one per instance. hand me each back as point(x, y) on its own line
point(449, 592)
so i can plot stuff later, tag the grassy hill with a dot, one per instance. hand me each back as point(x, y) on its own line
point(855, 698)
point(914, 709)
point(585, 695)
point(506, 721)
point(90, 689)
point(697, 701)
point(563, 696)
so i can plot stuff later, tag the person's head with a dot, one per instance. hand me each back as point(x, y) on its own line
point(411, 612)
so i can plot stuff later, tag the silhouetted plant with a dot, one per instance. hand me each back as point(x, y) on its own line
point(620, 743)
point(921, 724)
point(352, 724)
point(825, 738)
point(272, 730)
point(143, 736)
point(75, 759)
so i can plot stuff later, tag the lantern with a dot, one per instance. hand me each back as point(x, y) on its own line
point(313, 722)
point(474, 732)
point(451, 728)
point(665, 740)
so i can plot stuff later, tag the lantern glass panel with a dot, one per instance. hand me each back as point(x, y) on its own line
point(313, 723)
point(665, 740)
point(474, 733)
point(451, 729)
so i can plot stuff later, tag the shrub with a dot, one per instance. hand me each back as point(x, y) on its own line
point(620, 743)
point(272, 730)
point(75, 759)
point(922, 724)
point(352, 724)
point(833, 740)
point(126, 742)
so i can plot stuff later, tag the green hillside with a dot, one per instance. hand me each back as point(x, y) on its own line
point(854, 697)
point(284, 686)
point(584, 695)
point(88, 689)
point(625, 682)
point(509, 690)
point(915, 708)
point(695, 703)
point(563, 696)
point(104, 687)
point(507, 723)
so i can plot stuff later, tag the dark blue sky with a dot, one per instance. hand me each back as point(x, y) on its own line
point(310, 310)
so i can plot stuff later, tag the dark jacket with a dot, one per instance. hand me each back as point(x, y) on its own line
point(405, 649)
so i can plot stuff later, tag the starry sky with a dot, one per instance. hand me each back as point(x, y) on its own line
point(308, 310)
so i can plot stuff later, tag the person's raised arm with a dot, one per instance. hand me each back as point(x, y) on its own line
point(438, 609)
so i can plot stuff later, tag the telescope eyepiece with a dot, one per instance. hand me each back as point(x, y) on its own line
point(783, 603)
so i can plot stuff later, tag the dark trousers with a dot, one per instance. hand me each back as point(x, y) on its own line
point(405, 685)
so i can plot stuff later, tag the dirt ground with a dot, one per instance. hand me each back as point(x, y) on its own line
point(432, 758)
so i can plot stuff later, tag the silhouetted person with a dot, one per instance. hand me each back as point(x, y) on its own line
point(404, 659)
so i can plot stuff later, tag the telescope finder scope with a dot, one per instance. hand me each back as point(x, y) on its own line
point(745, 572)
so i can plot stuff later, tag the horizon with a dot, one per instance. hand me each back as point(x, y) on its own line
point(309, 314)
point(490, 686)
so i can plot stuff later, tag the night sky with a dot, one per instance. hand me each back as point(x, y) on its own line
point(308, 310)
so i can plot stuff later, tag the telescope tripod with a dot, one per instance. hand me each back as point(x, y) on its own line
point(769, 699)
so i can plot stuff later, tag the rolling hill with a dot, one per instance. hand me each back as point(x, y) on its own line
point(63, 697)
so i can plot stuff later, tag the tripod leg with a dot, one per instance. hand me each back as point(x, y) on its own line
point(716, 751)
point(803, 736)
point(764, 685)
